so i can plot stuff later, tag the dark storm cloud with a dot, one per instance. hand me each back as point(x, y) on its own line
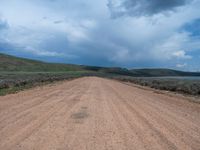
point(143, 7)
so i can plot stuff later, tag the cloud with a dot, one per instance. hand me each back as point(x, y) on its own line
point(142, 7)
point(83, 32)
point(58, 21)
point(3, 25)
point(181, 54)
point(181, 65)
point(43, 52)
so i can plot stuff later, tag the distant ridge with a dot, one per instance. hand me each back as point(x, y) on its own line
point(163, 72)
point(16, 64)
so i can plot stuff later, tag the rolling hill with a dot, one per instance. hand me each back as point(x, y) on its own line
point(15, 64)
point(11, 63)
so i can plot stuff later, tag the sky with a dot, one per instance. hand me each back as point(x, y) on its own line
point(123, 33)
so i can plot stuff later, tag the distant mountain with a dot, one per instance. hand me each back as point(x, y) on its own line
point(11, 63)
point(141, 72)
point(161, 72)
point(110, 70)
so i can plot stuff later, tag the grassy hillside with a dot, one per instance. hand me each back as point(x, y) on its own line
point(20, 73)
point(10, 63)
point(15, 64)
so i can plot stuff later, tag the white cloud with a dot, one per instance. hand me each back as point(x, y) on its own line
point(181, 54)
point(181, 65)
point(43, 52)
point(85, 29)
point(176, 46)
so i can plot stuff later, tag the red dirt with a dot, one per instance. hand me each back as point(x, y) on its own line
point(97, 114)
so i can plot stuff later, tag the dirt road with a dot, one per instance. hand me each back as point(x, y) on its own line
point(97, 114)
